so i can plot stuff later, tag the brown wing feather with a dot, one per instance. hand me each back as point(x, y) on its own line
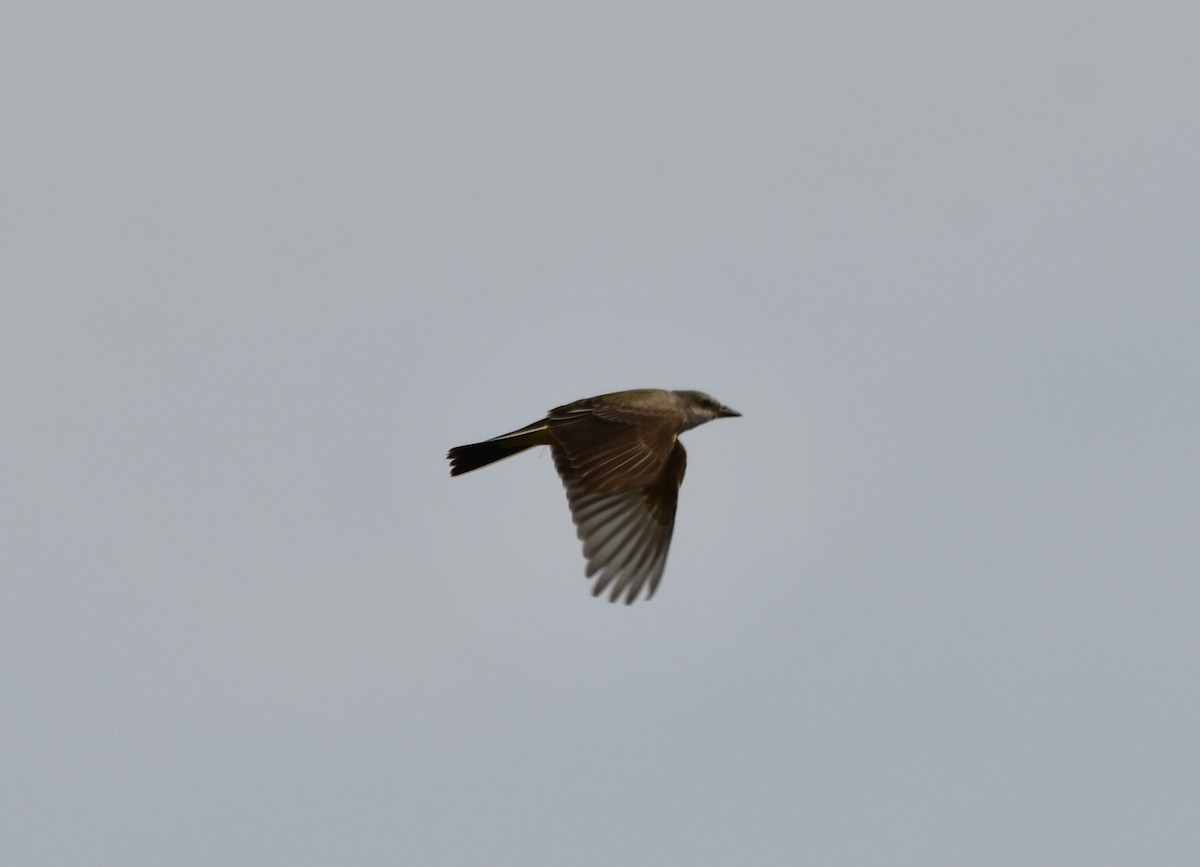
point(615, 448)
point(626, 534)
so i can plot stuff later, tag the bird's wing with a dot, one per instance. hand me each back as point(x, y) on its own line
point(625, 534)
point(615, 448)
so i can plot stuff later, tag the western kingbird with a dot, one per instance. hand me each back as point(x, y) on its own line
point(622, 464)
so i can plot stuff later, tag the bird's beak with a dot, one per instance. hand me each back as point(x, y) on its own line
point(726, 412)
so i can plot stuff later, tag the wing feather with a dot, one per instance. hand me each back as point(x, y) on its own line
point(615, 448)
point(626, 534)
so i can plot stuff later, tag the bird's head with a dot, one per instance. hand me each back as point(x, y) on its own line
point(700, 408)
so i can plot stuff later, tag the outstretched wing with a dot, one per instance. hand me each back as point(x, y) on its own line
point(626, 534)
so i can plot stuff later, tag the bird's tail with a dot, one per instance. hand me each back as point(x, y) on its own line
point(463, 459)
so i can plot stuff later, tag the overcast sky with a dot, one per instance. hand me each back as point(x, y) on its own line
point(933, 600)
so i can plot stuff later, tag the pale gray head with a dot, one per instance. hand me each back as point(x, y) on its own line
point(700, 408)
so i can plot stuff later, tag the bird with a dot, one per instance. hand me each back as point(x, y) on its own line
point(621, 462)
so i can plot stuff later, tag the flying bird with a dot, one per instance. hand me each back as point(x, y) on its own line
point(621, 462)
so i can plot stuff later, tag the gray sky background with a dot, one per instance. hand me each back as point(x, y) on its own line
point(932, 601)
